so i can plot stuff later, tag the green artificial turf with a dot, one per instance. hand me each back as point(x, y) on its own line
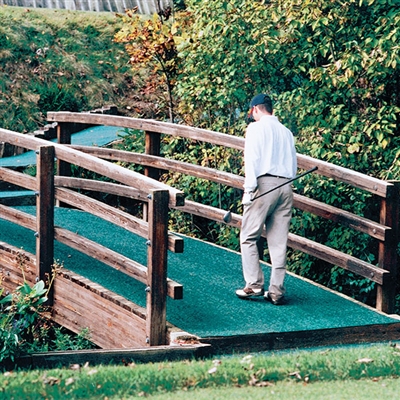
point(209, 274)
point(95, 136)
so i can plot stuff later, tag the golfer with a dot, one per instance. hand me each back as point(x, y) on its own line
point(269, 161)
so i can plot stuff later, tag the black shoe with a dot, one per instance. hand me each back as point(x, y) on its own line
point(275, 302)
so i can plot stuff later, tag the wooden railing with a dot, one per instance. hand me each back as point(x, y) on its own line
point(151, 322)
point(386, 231)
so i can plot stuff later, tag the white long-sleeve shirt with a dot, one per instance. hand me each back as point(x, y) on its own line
point(269, 149)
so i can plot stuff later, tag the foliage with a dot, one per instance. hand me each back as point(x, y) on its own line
point(333, 69)
point(18, 320)
point(54, 60)
point(152, 42)
point(25, 327)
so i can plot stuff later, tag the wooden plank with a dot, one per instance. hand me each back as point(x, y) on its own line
point(64, 137)
point(45, 217)
point(18, 178)
point(303, 339)
point(102, 167)
point(341, 174)
point(113, 326)
point(18, 217)
point(152, 354)
point(64, 131)
point(156, 329)
point(388, 257)
point(110, 325)
point(345, 218)
point(338, 258)
point(87, 284)
point(113, 259)
point(100, 186)
point(150, 125)
point(203, 210)
point(104, 211)
point(223, 177)
point(152, 146)
point(113, 215)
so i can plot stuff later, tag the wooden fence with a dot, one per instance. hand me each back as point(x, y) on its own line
point(385, 231)
point(123, 322)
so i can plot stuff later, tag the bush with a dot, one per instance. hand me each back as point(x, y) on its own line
point(24, 327)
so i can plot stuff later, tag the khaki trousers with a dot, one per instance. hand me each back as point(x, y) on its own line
point(274, 211)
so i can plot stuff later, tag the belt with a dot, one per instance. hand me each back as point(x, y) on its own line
point(273, 176)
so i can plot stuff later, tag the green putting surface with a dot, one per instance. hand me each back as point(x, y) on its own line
point(209, 275)
point(95, 136)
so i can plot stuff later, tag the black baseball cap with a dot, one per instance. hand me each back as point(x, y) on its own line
point(261, 98)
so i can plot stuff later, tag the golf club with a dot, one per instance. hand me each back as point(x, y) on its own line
point(228, 216)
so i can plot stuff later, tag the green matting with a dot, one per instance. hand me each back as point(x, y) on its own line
point(95, 136)
point(209, 274)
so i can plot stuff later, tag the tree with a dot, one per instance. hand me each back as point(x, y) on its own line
point(151, 41)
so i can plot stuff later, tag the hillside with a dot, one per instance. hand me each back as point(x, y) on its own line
point(53, 60)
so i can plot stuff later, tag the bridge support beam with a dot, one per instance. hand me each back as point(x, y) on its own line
point(45, 216)
point(156, 329)
point(388, 259)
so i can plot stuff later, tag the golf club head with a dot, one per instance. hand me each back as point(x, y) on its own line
point(227, 217)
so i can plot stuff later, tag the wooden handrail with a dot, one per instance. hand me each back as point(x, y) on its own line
point(91, 248)
point(94, 164)
point(335, 214)
point(386, 231)
point(353, 178)
point(114, 215)
point(149, 125)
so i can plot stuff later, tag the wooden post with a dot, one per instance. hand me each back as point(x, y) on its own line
point(63, 137)
point(152, 146)
point(389, 216)
point(156, 330)
point(45, 216)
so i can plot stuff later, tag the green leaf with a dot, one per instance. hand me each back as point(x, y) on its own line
point(7, 299)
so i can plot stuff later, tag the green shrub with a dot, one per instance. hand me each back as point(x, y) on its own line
point(18, 321)
point(25, 329)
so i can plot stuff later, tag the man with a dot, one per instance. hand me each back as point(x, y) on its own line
point(269, 160)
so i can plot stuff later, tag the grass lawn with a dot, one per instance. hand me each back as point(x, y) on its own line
point(339, 390)
point(353, 372)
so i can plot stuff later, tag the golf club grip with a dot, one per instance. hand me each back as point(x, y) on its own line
point(285, 183)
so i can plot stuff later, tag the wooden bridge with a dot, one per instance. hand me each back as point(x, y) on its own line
point(135, 311)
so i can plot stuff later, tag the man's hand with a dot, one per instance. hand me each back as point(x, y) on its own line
point(247, 196)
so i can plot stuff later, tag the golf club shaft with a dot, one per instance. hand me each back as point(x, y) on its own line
point(286, 182)
point(228, 216)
